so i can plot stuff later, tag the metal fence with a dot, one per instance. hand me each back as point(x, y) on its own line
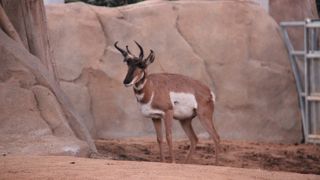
point(305, 65)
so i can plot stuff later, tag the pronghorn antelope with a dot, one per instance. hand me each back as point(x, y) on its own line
point(170, 96)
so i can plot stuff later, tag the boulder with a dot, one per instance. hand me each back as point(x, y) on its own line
point(51, 111)
point(80, 97)
point(31, 122)
point(234, 47)
point(294, 10)
point(19, 111)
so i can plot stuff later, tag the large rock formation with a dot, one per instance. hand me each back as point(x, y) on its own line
point(294, 10)
point(31, 123)
point(233, 46)
point(31, 119)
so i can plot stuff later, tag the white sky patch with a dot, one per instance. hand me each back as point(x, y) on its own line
point(53, 1)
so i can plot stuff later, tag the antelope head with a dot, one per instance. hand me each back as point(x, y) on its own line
point(136, 65)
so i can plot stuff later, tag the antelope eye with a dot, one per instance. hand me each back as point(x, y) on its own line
point(141, 65)
point(129, 62)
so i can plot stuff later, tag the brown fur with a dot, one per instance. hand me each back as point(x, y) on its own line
point(164, 83)
point(161, 85)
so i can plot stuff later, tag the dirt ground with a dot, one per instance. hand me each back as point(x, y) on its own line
point(63, 167)
point(300, 158)
point(123, 159)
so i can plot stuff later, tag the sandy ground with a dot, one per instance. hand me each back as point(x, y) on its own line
point(258, 161)
point(60, 167)
point(300, 158)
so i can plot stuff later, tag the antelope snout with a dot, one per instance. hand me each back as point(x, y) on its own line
point(128, 82)
point(128, 85)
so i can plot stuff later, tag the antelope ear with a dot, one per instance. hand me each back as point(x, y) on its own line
point(149, 59)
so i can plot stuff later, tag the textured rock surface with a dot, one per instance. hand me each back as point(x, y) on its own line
point(51, 112)
point(233, 46)
point(80, 97)
point(23, 123)
point(294, 10)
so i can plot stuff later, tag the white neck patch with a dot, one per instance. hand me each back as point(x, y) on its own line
point(140, 86)
point(140, 96)
point(148, 111)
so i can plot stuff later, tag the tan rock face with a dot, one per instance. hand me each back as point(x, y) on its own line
point(30, 123)
point(294, 10)
point(81, 99)
point(51, 112)
point(234, 47)
point(288, 10)
point(17, 106)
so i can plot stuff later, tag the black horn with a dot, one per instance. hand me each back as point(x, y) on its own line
point(141, 50)
point(128, 50)
point(123, 52)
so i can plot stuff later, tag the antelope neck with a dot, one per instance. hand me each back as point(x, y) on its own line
point(138, 86)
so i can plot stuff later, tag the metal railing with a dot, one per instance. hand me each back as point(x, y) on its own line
point(305, 65)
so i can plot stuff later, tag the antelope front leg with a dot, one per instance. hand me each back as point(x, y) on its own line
point(168, 117)
point(158, 128)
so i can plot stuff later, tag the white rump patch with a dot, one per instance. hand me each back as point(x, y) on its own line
point(148, 111)
point(183, 104)
point(213, 97)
